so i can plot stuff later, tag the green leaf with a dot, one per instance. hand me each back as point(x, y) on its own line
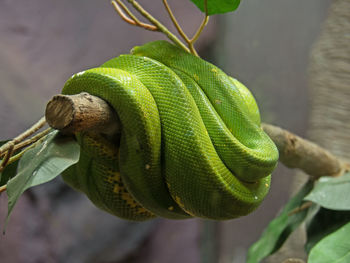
point(8, 173)
point(332, 192)
point(217, 6)
point(280, 228)
point(323, 223)
point(41, 164)
point(333, 248)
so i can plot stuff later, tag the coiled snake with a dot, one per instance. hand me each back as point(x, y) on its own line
point(190, 143)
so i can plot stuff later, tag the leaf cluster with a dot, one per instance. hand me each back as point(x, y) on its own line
point(40, 164)
point(324, 207)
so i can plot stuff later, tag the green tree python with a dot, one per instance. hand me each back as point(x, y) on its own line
point(190, 144)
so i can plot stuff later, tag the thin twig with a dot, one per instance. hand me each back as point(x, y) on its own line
point(3, 188)
point(129, 13)
point(175, 22)
point(303, 207)
point(120, 8)
point(7, 157)
point(7, 150)
point(38, 125)
point(190, 42)
point(133, 21)
point(32, 139)
point(192, 49)
point(19, 155)
point(200, 29)
point(122, 14)
point(35, 143)
point(159, 25)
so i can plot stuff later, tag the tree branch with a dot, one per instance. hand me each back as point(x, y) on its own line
point(9, 148)
point(37, 126)
point(81, 112)
point(296, 152)
point(84, 112)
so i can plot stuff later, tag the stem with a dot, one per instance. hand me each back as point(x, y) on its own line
point(176, 24)
point(200, 29)
point(33, 139)
point(119, 6)
point(303, 207)
point(192, 49)
point(10, 147)
point(20, 154)
point(133, 21)
point(7, 157)
point(37, 140)
point(3, 188)
point(38, 125)
point(190, 42)
point(159, 25)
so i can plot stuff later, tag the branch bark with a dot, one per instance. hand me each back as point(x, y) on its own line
point(84, 112)
point(81, 112)
point(296, 152)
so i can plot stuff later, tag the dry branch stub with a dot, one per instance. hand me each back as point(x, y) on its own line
point(81, 112)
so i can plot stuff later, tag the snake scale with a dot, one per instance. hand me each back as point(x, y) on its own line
point(190, 145)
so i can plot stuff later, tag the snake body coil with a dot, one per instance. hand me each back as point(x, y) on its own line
point(190, 143)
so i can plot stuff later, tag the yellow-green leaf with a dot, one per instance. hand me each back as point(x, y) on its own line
point(280, 228)
point(332, 192)
point(41, 164)
point(217, 6)
point(323, 223)
point(333, 248)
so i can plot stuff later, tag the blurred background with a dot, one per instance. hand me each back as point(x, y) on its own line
point(265, 44)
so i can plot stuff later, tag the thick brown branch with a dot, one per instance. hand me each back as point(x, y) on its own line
point(81, 112)
point(84, 112)
point(296, 152)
